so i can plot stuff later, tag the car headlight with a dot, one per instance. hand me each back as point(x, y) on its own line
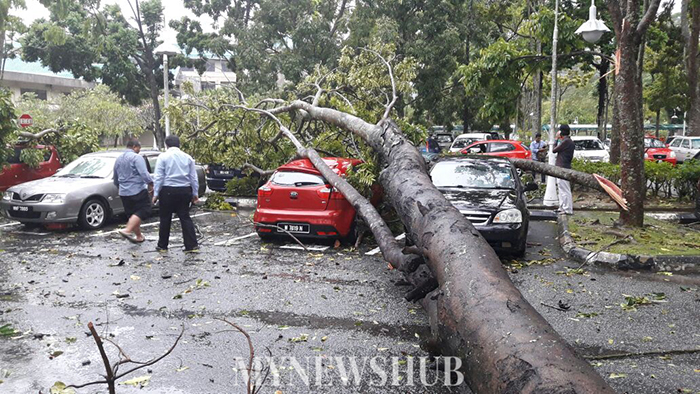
point(672, 155)
point(646, 155)
point(7, 196)
point(509, 216)
point(54, 198)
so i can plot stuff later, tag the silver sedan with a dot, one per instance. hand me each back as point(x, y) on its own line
point(82, 192)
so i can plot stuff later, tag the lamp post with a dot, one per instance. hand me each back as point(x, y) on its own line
point(166, 49)
point(591, 31)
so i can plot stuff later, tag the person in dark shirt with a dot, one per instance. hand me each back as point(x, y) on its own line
point(565, 153)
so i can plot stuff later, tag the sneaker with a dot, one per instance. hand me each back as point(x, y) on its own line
point(193, 250)
point(162, 250)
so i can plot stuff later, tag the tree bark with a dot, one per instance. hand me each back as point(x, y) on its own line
point(615, 131)
point(603, 68)
point(476, 312)
point(691, 34)
point(574, 176)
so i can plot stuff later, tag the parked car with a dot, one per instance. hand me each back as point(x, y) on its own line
point(297, 199)
point(444, 140)
point(590, 148)
point(499, 148)
point(655, 150)
point(18, 172)
point(686, 148)
point(218, 175)
point(464, 140)
point(488, 192)
point(82, 192)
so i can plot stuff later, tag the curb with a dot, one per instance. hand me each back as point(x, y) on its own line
point(677, 264)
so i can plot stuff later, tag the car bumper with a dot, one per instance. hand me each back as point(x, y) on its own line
point(673, 161)
point(40, 212)
point(322, 224)
point(503, 237)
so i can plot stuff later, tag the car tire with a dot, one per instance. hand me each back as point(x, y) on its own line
point(522, 246)
point(93, 215)
point(267, 237)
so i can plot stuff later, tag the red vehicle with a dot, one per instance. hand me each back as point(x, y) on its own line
point(655, 150)
point(18, 172)
point(297, 199)
point(499, 148)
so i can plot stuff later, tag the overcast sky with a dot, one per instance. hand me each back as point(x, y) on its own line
point(174, 9)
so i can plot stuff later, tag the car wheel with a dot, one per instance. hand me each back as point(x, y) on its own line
point(93, 215)
point(522, 246)
point(351, 238)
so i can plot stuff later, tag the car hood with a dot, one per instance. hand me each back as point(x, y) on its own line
point(56, 185)
point(481, 199)
point(658, 151)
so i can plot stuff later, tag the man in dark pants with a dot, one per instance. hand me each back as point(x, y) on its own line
point(176, 186)
point(135, 184)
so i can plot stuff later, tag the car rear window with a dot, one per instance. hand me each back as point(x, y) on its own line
point(588, 145)
point(653, 143)
point(696, 143)
point(463, 142)
point(294, 178)
point(501, 147)
point(13, 157)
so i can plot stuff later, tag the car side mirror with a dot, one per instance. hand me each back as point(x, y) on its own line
point(531, 186)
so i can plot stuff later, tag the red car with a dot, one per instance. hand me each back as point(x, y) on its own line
point(18, 172)
point(297, 199)
point(655, 150)
point(499, 148)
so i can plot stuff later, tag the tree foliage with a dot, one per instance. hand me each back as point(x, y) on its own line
point(8, 124)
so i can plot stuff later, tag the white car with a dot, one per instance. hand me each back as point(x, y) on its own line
point(590, 148)
point(686, 148)
point(464, 140)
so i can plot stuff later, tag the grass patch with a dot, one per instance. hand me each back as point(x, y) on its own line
point(595, 231)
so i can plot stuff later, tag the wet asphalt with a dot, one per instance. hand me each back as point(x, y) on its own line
point(320, 309)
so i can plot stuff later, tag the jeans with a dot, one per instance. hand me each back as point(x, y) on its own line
point(176, 200)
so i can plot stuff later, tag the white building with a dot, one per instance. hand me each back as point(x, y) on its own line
point(22, 77)
point(217, 75)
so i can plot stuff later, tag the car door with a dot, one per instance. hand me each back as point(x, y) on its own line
point(685, 149)
point(477, 149)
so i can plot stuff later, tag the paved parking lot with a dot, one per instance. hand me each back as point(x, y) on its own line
point(324, 306)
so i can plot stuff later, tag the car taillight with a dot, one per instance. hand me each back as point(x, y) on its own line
point(264, 191)
point(326, 192)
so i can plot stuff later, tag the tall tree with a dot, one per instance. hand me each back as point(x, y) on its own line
point(630, 26)
point(10, 28)
point(690, 25)
point(100, 43)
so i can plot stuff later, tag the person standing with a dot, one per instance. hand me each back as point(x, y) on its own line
point(565, 154)
point(176, 186)
point(135, 184)
point(539, 153)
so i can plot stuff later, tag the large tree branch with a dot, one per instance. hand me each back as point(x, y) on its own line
point(39, 135)
point(648, 17)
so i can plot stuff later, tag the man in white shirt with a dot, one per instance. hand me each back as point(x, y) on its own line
point(538, 149)
point(176, 186)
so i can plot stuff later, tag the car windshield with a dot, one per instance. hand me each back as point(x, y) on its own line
point(294, 178)
point(88, 167)
point(588, 145)
point(696, 143)
point(444, 138)
point(475, 174)
point(653, 143)
point(463, 142)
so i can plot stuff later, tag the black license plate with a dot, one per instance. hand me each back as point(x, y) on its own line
point(298, 228)
point(20, 208)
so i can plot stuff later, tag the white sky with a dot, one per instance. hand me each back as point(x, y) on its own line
point(174, 9)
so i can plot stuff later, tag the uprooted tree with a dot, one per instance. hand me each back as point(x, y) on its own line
point(475, 310)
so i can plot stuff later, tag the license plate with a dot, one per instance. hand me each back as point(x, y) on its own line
point(225, 172)
point(18, 208)
point(298, 228)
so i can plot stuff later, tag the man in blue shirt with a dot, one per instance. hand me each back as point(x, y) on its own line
point(135, 184)
point(176, 186)
point(539, 153)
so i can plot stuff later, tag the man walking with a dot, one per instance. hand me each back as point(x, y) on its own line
point(565, 153)
point(135, 183)
point(176, 186)
point(539, 153)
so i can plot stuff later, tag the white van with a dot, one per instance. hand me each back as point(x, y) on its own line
point(590, 148)
point(464, 140)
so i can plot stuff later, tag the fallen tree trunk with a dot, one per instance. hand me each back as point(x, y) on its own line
point(579, 177)
point(476, 312)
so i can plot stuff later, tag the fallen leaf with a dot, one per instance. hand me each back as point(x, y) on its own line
point(60, 388)
point(140, 381)
point(617, 375)
point(134, 277)
point(182, 369)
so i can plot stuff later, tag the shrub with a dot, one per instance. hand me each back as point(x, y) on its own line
point(243, 187)
point(215, 201)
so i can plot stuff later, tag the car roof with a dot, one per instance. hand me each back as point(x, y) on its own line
point(584, 137)
point(491, 141)
point(339, 165)
point(485, 158)
point(117, 153)
point(470, 135)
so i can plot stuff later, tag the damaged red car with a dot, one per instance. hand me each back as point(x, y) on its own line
point(298, 200)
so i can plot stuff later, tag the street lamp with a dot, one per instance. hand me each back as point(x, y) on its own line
point(592, 30)
point(166, 49)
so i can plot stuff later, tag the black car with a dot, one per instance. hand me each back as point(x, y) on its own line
point(218, 175)
point(488, 192)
